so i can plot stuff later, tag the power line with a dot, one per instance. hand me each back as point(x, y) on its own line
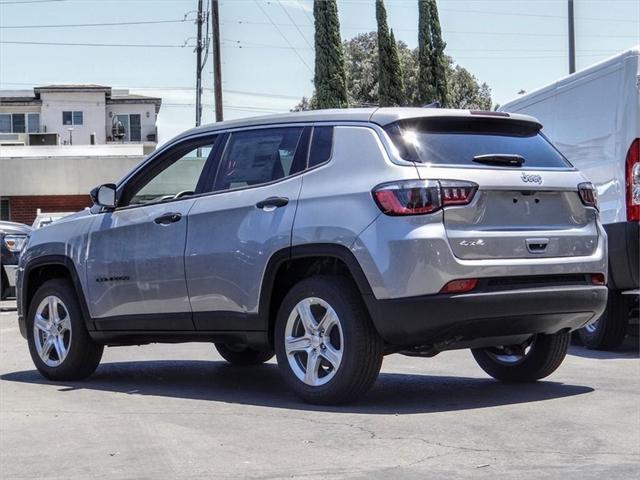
point(29, 1)
point(447, 32)
point(245, 44)
point(295, 24)
point(172, 87)
point(70, 44)
point(518, 14)
point(283, 36)
point(106, 24)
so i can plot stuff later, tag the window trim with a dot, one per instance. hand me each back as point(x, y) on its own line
point(330, 157)
point(156, 162)
point(305, 131)
point(223, 133)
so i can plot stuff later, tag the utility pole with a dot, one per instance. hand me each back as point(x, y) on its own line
point(572, 39)
point(217, 73)
point(199, 46)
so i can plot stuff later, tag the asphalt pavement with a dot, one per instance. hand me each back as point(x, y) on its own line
point(179, 411)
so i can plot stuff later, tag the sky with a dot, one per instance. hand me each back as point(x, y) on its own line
point(267, 46)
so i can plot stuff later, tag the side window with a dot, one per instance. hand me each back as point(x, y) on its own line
point(175, 176)
point(254, 157)
point(321, 145)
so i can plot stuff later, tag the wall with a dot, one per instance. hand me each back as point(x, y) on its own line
point(23, 209)
point(64, 174)
point(92, 106)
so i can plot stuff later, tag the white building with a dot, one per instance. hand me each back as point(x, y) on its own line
point(77, 115)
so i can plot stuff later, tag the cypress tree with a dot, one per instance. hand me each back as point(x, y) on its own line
point(330, 77)
point(426, 75)
point(390, 85)
point(439, 61)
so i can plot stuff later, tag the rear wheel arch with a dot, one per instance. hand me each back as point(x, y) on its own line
point(290, 265)
point(49, 267)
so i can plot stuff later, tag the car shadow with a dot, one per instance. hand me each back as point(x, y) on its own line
point(629, 349)
point(393, 393)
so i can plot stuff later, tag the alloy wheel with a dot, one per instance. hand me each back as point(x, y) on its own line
point(52, 331)
point(314, 341)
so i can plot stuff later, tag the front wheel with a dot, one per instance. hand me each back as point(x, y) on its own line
point(326, 345)
point(534, 360)
point(59, 342)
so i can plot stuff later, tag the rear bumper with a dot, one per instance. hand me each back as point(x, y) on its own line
point(624, 261)
point(431, 319)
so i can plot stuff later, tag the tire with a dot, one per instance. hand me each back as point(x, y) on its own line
point(82, 354)
point(348, 338)
point(608, 332)
point(543, 357)
point(243, 356)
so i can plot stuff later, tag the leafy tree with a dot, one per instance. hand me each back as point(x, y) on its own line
point(433, 84)
point(361, 58)
point(390, 85)
point(330, 78)
point(465, 92)
point(426, 74)
point(440, 61)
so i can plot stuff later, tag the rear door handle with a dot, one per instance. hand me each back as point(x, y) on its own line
point(273, 202)
point(168, 218)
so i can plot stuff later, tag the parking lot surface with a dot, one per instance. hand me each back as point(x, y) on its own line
point(179, 411)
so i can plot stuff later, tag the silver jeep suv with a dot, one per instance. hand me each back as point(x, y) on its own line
point(331, 238)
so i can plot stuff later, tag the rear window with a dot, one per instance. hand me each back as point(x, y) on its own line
point(456, 141)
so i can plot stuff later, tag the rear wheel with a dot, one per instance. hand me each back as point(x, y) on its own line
point(59, 343)
point(242, 355)
point(608, 332)
point(327, 348)
point(536, 359)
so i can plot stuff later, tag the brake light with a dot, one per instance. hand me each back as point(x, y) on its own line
point(460, 286)
point(588, 194)
point(633, 181)
point(598, 279)
point(419, 197)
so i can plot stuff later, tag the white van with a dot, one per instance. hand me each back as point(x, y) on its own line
point(593, 117)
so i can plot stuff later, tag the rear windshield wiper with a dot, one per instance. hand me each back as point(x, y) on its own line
point(505, 159)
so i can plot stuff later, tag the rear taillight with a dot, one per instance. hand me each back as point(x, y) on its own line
point(588, 194)
point(419, 197)
point(598, 279)
point(633, 181)
point(460, 286)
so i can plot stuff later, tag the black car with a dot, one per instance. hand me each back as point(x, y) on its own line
point(13, 236)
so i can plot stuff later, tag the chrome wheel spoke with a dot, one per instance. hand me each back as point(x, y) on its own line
point(53, 309)
point(329, 320)
point(65, 323)
point(306, 316)
point(45, 351)
point(297, 344)
point(41, 323)
point(332, 355)
point(313, 364)
point(58, 344)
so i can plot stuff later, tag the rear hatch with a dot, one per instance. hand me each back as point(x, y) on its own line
point(527, 204)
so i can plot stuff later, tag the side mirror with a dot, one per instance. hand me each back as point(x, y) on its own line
point(104, 195)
